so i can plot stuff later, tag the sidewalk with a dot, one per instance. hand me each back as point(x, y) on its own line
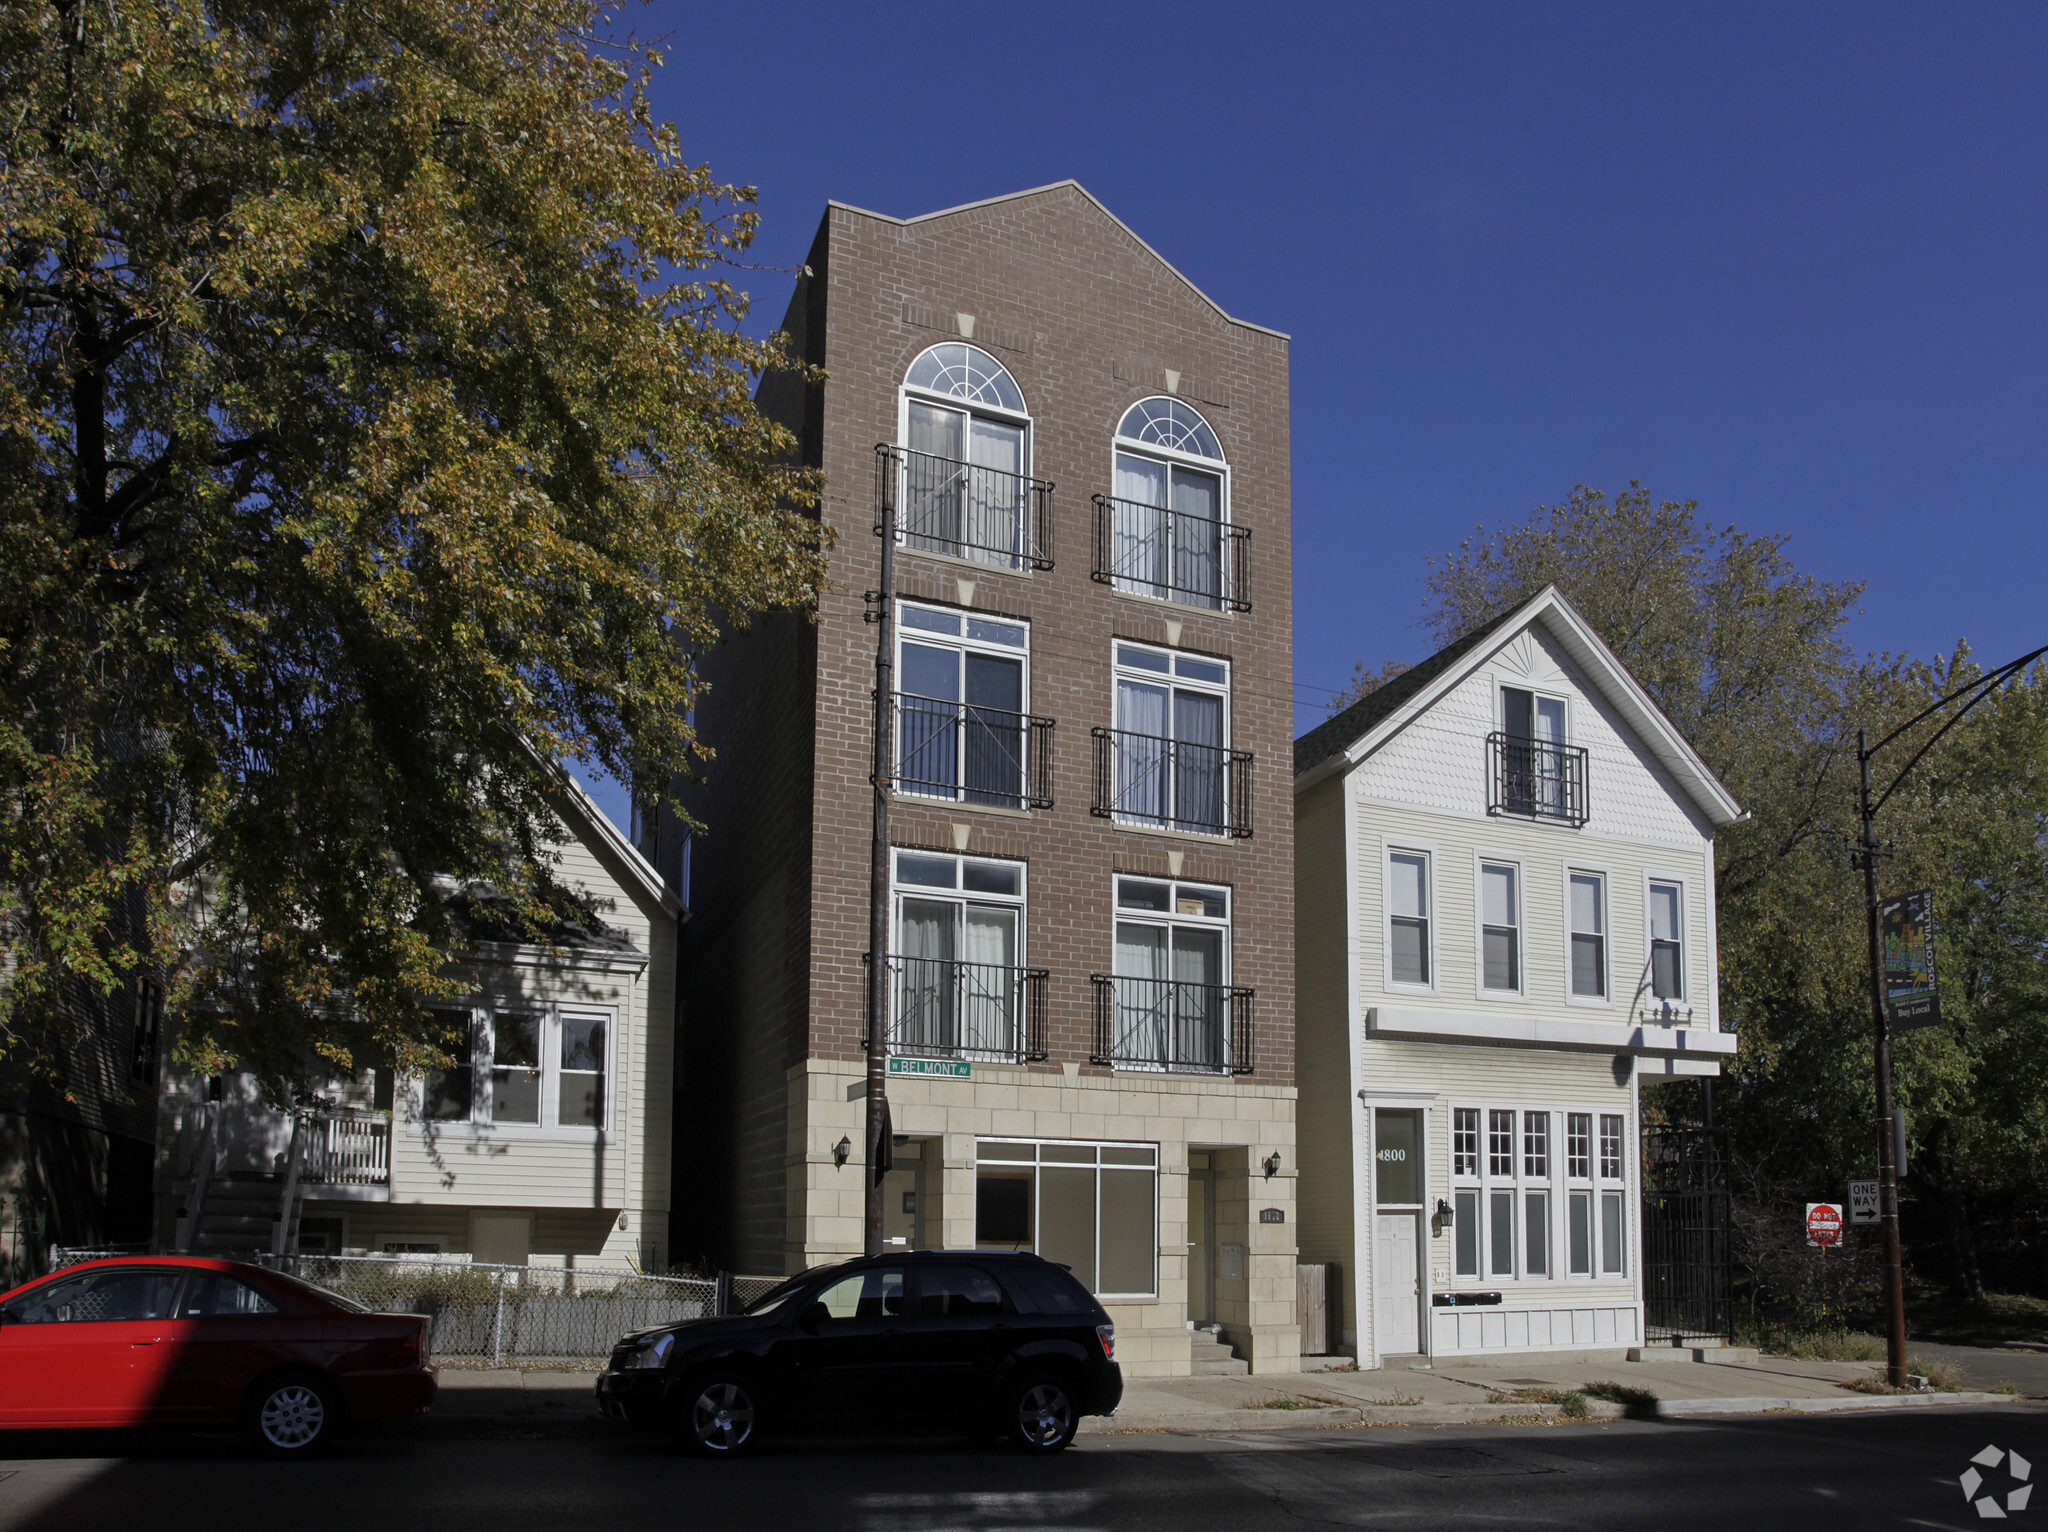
point(1452, 1393)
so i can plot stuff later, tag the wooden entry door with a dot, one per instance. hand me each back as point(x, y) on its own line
point(1397, 1285)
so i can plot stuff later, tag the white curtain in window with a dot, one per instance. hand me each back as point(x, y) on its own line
point(1143, 997)
point(1198, 760)
point(987, 990)
point(1141, 755)
point(995, 510)
point(925, 935)
point(1197, 533)
point(1198, 1003)
point(1141, 544)
point(929, 498)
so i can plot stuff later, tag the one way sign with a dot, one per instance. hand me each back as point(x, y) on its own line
point(1862, 1202)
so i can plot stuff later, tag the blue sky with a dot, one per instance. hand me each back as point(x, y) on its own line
point(1787, 261)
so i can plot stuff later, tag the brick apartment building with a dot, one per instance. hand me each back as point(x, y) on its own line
point(1085, 462)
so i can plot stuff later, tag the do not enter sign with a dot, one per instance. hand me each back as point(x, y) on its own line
point(1823, 1224)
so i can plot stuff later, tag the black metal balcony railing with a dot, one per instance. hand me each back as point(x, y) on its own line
point(945, 1009)
point(1151, 551)
point(1535, 779)
point(969, 754)
point(1170, 784)
point(940, 505)
point(1172, 1024)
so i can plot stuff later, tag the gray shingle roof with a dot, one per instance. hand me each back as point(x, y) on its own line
point(1337, 735)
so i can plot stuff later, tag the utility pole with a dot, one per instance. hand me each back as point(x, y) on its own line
point(1867, 853)
point(881, 612)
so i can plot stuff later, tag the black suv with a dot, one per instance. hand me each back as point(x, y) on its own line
point(1002, 1343)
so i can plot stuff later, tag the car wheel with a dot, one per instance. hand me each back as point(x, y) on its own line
point(1042, 1416)
point(721, 1416)
point(294, 1417)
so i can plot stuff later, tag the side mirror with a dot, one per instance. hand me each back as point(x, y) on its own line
point(813, 1317)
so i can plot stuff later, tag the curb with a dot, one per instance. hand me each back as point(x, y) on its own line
point(1232, 1422)
point(1680, 1409)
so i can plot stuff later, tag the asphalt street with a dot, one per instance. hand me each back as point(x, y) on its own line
point(1886, 1470)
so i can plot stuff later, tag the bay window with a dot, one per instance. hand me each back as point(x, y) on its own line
point(540, 1067)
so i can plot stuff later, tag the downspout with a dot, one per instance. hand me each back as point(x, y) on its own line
point(1354, 1049)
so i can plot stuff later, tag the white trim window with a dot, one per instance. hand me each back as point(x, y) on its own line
point(1521, 1211)
point(1172, 765)
point(1170, 1007)
point(1586, 911)
point(1093, 1207)
point(1534, 770)
point(965, 490)
point(1667, 939)
point(957, 953)
point(1500, 927)
point(1169, 509)
point(1411, 929)
point(963, 689)
point(533, 1067)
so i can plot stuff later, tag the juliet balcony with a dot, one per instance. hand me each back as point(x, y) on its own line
point(961, 752)
point(1147, 550)
point(963, 510)
point(1172, 1025)
point(946, 1008)
point(1535, 779)
point(1148, 782)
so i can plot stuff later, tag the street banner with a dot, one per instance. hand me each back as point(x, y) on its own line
point(1905, 928)
point(1823, 1223)
point(1863, 1202)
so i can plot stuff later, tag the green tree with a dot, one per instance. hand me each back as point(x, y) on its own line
point(376, 435)
point(1746, 654)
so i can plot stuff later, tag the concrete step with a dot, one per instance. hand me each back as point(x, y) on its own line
point(1209, 1357)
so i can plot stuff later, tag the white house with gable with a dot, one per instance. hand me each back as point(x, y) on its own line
point(1504, 905)
point(548, 1142)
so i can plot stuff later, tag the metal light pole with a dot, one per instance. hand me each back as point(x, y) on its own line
point(881, 612)
point(1867, 854)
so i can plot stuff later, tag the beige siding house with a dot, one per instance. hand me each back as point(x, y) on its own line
point(549, 1144)
point(1505, 928)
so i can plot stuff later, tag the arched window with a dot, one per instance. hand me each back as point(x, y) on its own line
point(1170, 536)
point(964, 487)
point(1169, 423)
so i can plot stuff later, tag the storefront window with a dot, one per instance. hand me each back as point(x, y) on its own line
point(1093, 1207)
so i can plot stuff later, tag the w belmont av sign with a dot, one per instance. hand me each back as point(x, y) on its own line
point(1823, 1223)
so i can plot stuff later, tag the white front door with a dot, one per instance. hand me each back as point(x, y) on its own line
point(1397, 1285)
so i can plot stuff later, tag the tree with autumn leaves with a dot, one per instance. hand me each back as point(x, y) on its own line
point(376, 437)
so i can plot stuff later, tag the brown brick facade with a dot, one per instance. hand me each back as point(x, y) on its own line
point(1088, 321)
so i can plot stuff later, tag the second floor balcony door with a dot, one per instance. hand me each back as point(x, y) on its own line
point(1169, 531)
point(956, 964)
point(1171, 758)
point(1169, 996)
point(962, 730)
point(965, 493)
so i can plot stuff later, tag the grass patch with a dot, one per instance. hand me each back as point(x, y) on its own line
point(1571, 1404)
point(2004, 1388)
point(1272, 1404)
point(1940, 1376)
point(1637, 1401)
point(1875, 1385)
point(2000, 1317)
point(1821, 1345)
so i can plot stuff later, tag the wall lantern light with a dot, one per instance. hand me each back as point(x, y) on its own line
point(841, 1150)
point(1272, 1164)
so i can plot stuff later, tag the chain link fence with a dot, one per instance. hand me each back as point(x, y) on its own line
point(505, 1315)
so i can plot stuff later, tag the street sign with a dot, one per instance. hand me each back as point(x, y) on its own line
point(1823, 1224)
point(1863, 1202)
point(942, 1069)
point(1905, 926)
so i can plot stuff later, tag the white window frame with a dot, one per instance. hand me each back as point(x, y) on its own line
point(1502, 686)
point(1173, 458)
point(1605, 999)
point(1684, 1006)
point(1167, 921)
point(482, 1017)
point(1389, 849)
point(1173, 681)
point(1481, 860)
point(963, 645)
point(906, 391)
point(958, 893)
point(1038, 1163)
point(1474, 1187)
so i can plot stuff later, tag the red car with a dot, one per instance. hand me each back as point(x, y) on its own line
point(172, 1340)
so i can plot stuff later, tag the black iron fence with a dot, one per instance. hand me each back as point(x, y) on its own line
point(1151, 551)
point(1172, 784)
point(1535, 779)
point(948, 1009)
point(1688, 1271)
point(1172, 1024)
point(964, 510)
point(971, 754)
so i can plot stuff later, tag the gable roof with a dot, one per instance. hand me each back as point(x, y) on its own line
point(596, 827)
point(1097, 203)
point(1366, 724)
